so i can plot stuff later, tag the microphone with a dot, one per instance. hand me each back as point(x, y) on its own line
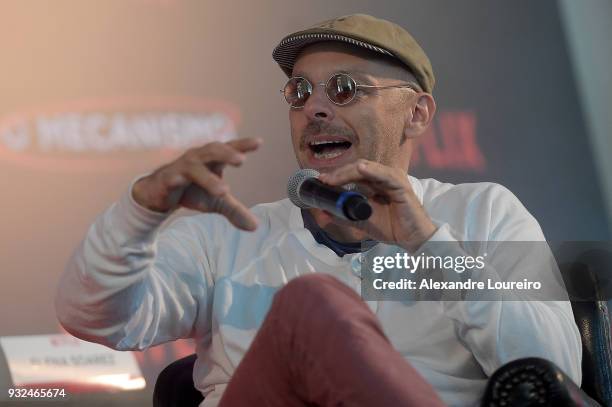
point(306, 191)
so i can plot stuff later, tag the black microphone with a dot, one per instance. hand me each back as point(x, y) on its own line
point(306, 191)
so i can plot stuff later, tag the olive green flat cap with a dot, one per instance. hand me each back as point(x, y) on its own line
point(363, 31)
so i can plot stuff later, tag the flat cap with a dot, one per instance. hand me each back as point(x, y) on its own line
point(364, 31)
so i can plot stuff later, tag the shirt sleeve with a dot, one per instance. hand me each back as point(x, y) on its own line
point(513, 326)
point(130, 286)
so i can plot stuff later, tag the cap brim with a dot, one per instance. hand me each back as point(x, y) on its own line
point(290, 47)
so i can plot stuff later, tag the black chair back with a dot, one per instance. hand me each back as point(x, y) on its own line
point(593, 321)
point(174, 386)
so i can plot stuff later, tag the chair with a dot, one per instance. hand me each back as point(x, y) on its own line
point(539, 382)
point(523, 382)
point(534, 381)
point(174, 386)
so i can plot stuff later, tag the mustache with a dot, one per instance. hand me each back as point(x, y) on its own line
point(316, 127)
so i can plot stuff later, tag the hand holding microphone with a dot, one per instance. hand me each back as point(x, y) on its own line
point(395, 216)
point(306, 191)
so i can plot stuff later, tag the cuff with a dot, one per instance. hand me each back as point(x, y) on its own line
point(134, 219)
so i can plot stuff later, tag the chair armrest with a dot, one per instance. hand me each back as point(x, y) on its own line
point(533, 381)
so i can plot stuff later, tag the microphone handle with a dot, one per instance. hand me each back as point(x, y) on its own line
point(348, 205)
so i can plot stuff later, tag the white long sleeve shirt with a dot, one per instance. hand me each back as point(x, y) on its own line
point(131, 285)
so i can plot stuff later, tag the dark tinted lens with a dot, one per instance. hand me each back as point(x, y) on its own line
point(297, 91)
point(341, 89)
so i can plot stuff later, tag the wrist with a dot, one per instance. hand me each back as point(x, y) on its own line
point(142, 197)
point(418, 235)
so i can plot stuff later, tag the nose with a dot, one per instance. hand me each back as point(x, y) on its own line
point(318, 106)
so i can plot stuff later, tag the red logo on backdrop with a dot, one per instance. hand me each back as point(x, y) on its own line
point(105, 134)
point(450, 144)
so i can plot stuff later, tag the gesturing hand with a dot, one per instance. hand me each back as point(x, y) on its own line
point(194, 181)
point(397, 215)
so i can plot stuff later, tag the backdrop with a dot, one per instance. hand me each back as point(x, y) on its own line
point(94, 93)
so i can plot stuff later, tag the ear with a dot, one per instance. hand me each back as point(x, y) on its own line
point(422, 114)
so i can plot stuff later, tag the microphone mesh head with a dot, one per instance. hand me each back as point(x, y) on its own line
point(294, 183)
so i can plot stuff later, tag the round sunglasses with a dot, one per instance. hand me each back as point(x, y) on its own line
point(340, 89)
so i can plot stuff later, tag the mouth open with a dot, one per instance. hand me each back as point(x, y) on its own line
point(328, 149)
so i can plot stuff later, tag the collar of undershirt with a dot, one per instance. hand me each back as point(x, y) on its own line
point(340, 248)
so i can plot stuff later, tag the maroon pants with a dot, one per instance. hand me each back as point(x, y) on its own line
point(320, 345)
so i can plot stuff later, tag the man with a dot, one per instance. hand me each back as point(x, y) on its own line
point(270, 296)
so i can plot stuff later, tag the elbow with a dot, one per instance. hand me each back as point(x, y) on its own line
point(78, 322)
point(63, 310)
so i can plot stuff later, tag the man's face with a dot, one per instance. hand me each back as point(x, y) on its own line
point(326, 136)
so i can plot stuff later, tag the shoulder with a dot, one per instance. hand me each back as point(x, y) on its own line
point(479, 211)
point(469, 194)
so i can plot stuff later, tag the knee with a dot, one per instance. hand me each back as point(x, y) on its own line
point(316, 303)
point(316, 286)
point(312, 282)
point(315, 293)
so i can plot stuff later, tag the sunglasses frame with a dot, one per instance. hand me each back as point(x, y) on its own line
point(357, 85)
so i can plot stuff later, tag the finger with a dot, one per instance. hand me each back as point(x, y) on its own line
point(226, 205)
point(215, 153)
point(241, 146)
point(346, 174)
point(246, 144)
point(363, 171)
point(364, 189)
point(382, 176)
point(205, 179)
point(238, 214)
point(371, 177)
